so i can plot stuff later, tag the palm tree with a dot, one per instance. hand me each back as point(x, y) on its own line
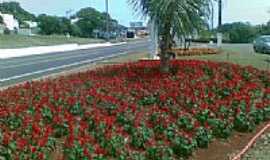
point(172, 17)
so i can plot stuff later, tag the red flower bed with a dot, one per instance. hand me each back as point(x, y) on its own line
point(195, 51)
point(132, 111)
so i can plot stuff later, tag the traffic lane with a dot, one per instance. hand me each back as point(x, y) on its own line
point(26, 59)
point(13, 70)
point(24, 68)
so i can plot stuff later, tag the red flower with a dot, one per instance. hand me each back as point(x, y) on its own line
point(41, 156)
point(163, 98)
point(42, 141)
point(109, 121)
point(3, 112)
point(36, 129)
point(99, 150)
point(33, 149)
point(6, 138)
point(83, 126)
point(21, 143)
point(86, 152)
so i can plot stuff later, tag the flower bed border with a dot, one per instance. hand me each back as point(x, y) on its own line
point(251, 143)
point(195, 51)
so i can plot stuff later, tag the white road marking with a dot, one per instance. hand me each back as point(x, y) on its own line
point(38, 62)
point(60, 67)
point(13, 64)
point(22, 52)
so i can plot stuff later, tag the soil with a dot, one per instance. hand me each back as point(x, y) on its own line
point(225, 149)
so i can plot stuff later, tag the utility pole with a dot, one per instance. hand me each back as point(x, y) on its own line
point(219, 13)
point(212, 16)
point(219, 34)
point(107, 19)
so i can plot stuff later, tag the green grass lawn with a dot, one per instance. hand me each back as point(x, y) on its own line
point(17, 41)
point(242, 54)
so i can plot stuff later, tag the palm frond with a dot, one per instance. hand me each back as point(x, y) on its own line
point(183, 16)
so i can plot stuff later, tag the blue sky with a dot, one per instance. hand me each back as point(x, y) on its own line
point(254, 11)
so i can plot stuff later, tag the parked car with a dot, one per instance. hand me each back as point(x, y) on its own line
point(262, 44)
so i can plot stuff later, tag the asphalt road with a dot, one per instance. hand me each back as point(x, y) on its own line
point(14, 70)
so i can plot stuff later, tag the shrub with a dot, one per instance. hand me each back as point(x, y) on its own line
point(7, 31)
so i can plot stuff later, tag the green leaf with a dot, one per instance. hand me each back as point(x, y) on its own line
point(14, 122)
point(76, 109)
point(47, 114)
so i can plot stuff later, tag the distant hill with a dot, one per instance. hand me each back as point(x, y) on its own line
point(15, 9)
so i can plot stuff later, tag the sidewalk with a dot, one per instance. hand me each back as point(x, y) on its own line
point(21, 52)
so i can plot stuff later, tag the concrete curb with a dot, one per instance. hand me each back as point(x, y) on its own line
point(251, 143)
point(21, 52)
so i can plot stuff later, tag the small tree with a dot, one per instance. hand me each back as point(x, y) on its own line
point(1, 20)
point(179, 17)
point(23, 24)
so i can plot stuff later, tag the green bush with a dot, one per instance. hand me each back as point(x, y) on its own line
point(7, 31)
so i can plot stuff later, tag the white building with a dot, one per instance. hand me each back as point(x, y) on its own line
point(9, 21)
point(29, 30)
point(75, 20)
point(31, 24)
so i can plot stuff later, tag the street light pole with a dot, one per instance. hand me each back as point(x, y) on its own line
point(107, 19)
point(212, 16)
point(219, 34)
point(219, 13)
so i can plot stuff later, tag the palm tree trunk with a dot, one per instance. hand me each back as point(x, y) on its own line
point(164, 62)
point(165, 48)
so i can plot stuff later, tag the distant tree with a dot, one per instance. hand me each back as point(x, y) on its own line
point(91, 19)
point(263, 29)
point(76, 30)
point(239, 32)
point(87, 27)
point(113, 24)
point(49, 24)
point(65, 24)
point(15, 9)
